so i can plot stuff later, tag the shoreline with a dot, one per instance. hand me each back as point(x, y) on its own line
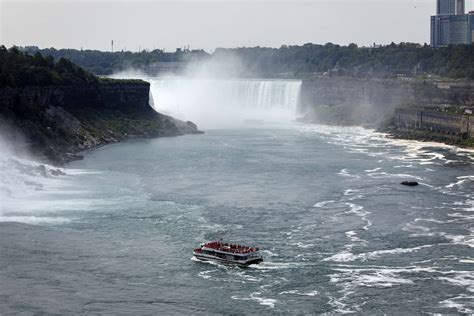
point(436, 140)
point(422, 136)
point(79, 153)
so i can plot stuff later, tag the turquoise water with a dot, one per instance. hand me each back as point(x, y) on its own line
point(338, 232)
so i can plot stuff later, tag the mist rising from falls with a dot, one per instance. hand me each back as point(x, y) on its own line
point(221, 103)
point(26, 186)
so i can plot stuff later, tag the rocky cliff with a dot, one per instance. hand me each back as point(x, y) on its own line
point(352, 101)
point(425, 109)
point(59, 121)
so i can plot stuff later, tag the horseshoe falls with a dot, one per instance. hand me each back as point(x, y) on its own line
point(219, 103)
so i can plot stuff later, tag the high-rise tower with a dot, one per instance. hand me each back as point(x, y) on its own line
point(460, 7)
point(450, 7)
point(450, 25)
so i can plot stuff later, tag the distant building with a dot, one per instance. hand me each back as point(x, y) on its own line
point(450, 7)
point(471, 25)
point(171, 67)
point(460, 7)
point(450, 25)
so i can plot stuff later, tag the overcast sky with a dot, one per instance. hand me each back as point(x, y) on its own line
point(210, 24)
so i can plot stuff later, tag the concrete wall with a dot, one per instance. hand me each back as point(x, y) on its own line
point(434, 121)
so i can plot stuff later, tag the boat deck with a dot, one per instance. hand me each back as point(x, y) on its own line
point(229, 248)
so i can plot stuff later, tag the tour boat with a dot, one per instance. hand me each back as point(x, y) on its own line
point(228, 253)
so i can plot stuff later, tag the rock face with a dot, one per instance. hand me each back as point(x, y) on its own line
point(353, 101)
point(349, 101)
point(59, 121)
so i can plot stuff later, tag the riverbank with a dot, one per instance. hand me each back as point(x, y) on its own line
point(423, 136)
point(422, 108)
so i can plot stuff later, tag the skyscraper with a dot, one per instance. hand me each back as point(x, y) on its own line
point(450, 25)
point(460, 7)
point(450, 7)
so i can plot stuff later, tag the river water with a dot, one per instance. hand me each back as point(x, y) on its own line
point(338, 232)
point(115, 232)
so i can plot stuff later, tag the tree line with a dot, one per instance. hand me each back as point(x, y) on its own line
point(19, 68)
point(408, 59)
point(404, 59)
point(106, 63)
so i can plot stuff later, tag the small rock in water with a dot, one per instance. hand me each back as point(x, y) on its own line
point(57, 172)
point(410, 183)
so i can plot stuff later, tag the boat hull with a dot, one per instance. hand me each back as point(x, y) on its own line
point(240, 263)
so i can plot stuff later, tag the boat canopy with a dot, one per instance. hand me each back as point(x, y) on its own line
point(229, 248)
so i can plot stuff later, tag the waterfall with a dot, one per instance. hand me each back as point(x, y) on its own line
point(226, 103)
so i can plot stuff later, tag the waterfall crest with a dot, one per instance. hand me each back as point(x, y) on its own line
point(226, 103)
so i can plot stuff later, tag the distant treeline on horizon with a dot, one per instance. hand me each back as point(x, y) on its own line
point(407, 59)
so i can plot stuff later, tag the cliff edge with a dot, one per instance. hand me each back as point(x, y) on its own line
point(61, 120)
point(61, 109)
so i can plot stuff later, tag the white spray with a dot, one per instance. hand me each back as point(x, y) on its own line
point(221, 103)
point(212, 94)
point(25, 184)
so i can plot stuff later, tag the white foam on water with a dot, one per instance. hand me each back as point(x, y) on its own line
point(35, 219)
point(301, 245)
point(338, 303)
point(465, 240)
point(368, 142)
point(269, 253)
point(349, 192)
point(351, 278)
point(346, 256)
point(461, 180)
point(409, 166)
point(345, 173)
point(323, 203)
point(354, 208)
point(464, 279)
point(296, 292)
point(357, 210)
point(255, 296)
point(463, 303)
point(268, 265)
point(432, 220)
point(417, 228)
point(242, 274)
point(227, 274)
point(462, 216)
point(369, 278)
point(459, 306)
point(205, 274)
point(288, 292)
point(383, 175)
point(350, 195)
point(373, 170)
point(352, 236)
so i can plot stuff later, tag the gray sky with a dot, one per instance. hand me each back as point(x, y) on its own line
point(210, 24)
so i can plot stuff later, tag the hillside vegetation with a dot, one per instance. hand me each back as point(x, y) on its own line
point(21, 69)
point(296, 61)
